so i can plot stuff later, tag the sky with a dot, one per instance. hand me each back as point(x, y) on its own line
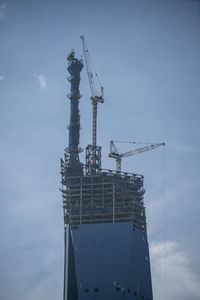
point(147, 56)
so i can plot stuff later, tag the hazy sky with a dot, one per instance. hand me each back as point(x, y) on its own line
point(146, 53)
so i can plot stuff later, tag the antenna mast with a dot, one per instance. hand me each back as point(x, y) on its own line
point(73, 165)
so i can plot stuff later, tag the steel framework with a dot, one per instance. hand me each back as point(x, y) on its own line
point(108, 197)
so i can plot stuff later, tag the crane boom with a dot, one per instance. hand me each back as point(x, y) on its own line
point(118, 157)
point(97, 93)
point(143, 149)
point(88, 66)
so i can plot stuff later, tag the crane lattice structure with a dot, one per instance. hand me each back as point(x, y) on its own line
point(93, 152)
point(118, 156)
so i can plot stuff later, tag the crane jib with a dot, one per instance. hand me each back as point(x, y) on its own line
point(96, 91)
point(114, 153)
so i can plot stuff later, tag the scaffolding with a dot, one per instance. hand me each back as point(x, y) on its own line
point(93, 160)
point(108, 197)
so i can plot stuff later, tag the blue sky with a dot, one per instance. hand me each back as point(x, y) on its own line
point(147, 56)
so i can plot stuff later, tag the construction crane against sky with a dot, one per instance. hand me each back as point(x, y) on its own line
point(95, 87)
point(93, 152)
point(106, 253)
point(118, 157)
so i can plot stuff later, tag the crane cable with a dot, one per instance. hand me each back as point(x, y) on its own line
point(89, 61)
point(93, 67)
point(96, 75)
point(165, 226)
point(130, 142)
point(98, 80)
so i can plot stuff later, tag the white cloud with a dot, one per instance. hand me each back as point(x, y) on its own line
point(1, 77)
point(42, 80)
point(172, 274)
point(2, 11)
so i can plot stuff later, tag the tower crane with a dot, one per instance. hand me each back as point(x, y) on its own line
point(118, 157)
point(96, 89)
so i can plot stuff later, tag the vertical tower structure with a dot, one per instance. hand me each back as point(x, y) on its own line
point(73, 166)
point(106, 246)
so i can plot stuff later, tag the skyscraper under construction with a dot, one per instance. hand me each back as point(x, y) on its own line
point(105, 235)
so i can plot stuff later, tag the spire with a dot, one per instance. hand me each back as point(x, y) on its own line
point(73, 166)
